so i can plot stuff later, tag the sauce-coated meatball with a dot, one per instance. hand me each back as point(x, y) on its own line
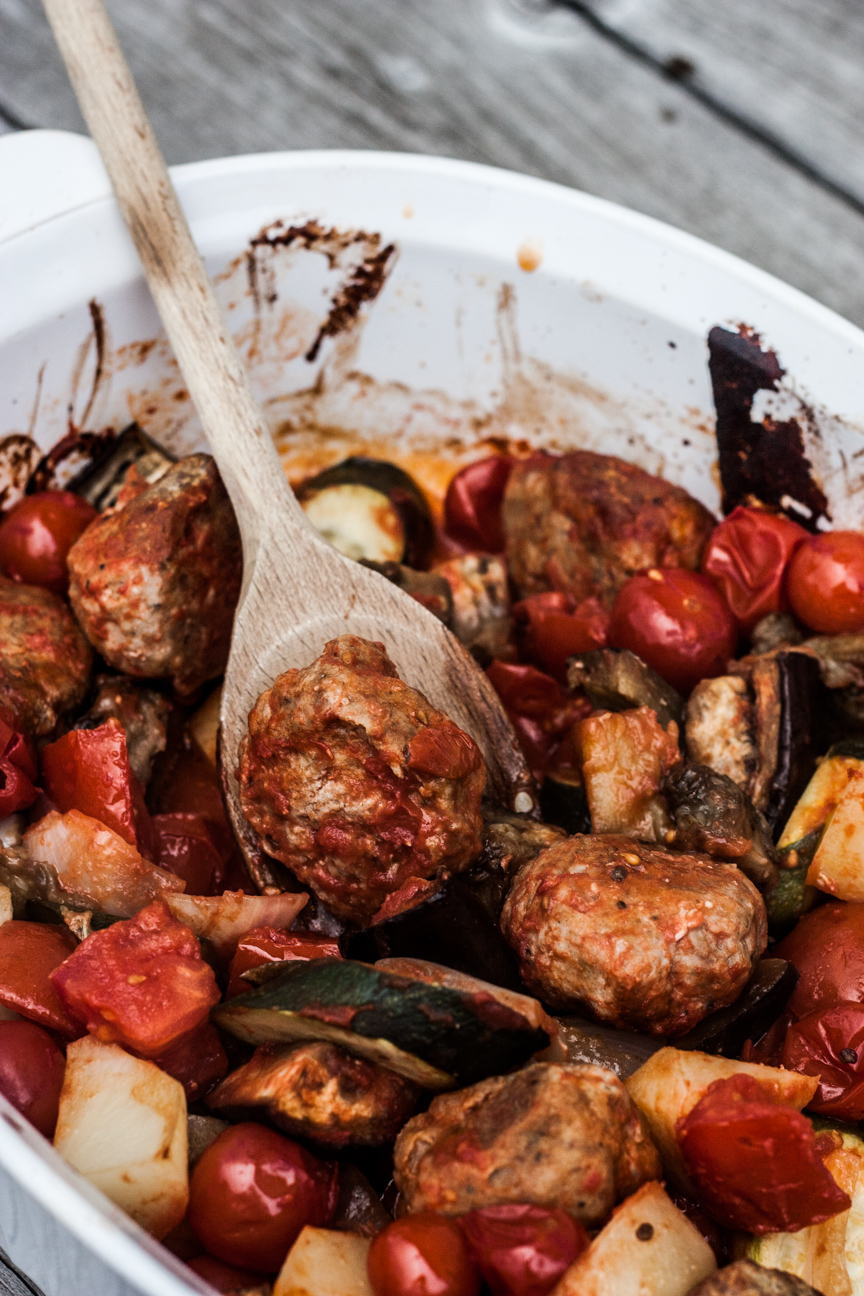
point(558, 1136)
point(44, 658)
point(358, 784)
point(634, 935)
point(581, 523)
point(155, 580)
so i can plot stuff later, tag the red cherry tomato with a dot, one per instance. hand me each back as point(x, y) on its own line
point(31, 1073)
point(29, 953)
point(540, 710)
point(37, 534)
point(89, 770)
point(225, 1278)
point(197, 1060)
point(472, 506)
point(825, 582)
point(557, 628)
point(18, 772)
point(830, 1044)
point(253, 1191)
point(522, 1250)
point(141, 983)
point(747, 556)
point(422, 1255)
point(756, 1165)
point(677, 622)
point(270, 945)
point(827, 949)
point(183, 844)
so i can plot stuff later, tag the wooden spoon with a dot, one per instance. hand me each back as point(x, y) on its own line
point(298, 592)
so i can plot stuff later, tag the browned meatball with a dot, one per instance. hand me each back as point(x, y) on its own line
point(566, 1136)
point(358, 784)
point(155, 580)
point(581, 523)
point(633, 934)
point(320, 1092)
point(44, 658)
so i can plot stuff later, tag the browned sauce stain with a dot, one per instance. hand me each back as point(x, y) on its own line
point(19, 455)
point(97, 316)
point(529, 255)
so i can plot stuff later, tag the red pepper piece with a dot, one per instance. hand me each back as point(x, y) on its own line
point(540, 710)
point(184, 844)
point(29, 953)
point(89, 770)
point(472, 506)
point(756, 1164)
point(141, 983)
point(556, 628)
point(269, 945)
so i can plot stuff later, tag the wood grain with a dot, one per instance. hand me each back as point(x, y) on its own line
point(474, 79)
point(12, 1282)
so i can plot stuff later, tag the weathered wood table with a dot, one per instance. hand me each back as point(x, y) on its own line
point(739, 122)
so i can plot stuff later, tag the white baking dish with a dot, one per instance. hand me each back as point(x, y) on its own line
point(599, 342)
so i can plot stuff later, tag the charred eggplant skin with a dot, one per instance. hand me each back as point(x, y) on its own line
point(564, 803)
point(387, 479)
point(761, 1002)
point(615, 679)
point(714, 815)
point(803, 710)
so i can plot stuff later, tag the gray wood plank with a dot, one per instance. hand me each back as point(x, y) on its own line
point(792, 68)
point(469, 78)
point(12, 1282)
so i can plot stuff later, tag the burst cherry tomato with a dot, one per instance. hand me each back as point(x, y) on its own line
point(37, 534)
point(677, 622)
point(747, 557)
point(422, 1255)
point(757, 1165)
point(271, 945)
point(31, 1073)
point(557, 628)
point(522, 1250)
point(827, 950)
point(540, 710)
point(472, 507)
point(830, 1044)
point(825, 582)
point(89, 770)
point(253, 1191)
point(184, 844)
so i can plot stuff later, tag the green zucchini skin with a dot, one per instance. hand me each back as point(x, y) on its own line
point(455, 1037)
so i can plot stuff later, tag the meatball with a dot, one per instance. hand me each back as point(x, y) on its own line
point(320, 1092)
point(634, 935)
point(553, 1135)
point(358, 784)
point(581, 523)
point(154, 581)
point(44, 658)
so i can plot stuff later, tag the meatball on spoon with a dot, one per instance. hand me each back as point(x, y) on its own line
point(298, 592)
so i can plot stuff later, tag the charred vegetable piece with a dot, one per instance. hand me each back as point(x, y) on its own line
point(620, 1051)
point(791, 710)
point(765, 996)
point(102, 481)
point(819, 799)
point(436, 1036)
point(428, 588)
point(720, 728)
point(776, 630)
point(744, 1278)
point(790, 897)
point(359, 1208)
point(617, 680)
point(715, 816)
point(143, 712)
point(481, 603)
point(564, 802)
point(369, 508)
point(511, 840)
point(625, 757)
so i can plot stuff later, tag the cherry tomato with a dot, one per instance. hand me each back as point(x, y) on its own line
point(29, 953)
point(141, 983)
point(37, 534)
point(422, 1255)
point(472, 506)
point(830, 1044)
point(89, 770)
point(31, 1073)
point(184, 845)
point(522, 1250)
point(677, 622)
point(540, 710)
point(825, 582)
point(756, 1164)
point(827, 949)
point(225, 1278)
point(18, 772)
point(197, 1060)
point(746, 557)
point(253, 1191)
point(557, 628)
point(270, 945)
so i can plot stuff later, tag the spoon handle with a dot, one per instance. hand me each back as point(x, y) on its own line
point(211, 367)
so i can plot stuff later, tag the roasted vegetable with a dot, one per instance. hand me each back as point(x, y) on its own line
point(838, 863)
point(744, 1278)
point(790, 896)
point(715, 817)
point(436, 1036)
point(102, 481)
point(617, 680)
point(225, 919)
point(323, 1262)
point(819, 799)
point(720, 728)
point(620, 1051)
point(143, 712)
point(428, 588)
point(481, 603)
point(368, 508)
point(776, 630)
point(359, 1208)
point(724, 1033)
point(564, 802)
point(625, 757)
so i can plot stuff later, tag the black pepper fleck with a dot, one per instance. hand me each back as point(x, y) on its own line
point(848, 1055)
point(618, 873)
point(622, 904)
point(645, 1232)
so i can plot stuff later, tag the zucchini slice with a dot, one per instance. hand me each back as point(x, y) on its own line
point(819, 799)
point(370, 509)
point(436, 1035)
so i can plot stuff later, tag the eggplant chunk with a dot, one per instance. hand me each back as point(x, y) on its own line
point(102, 481)
point(716, 817)
point(358, 1209)
point(481, 603)
point(621, 1051)
point(428, 588)
point(776, 630)
point(615, 679)
point(720, 728)
point(564, 802)
point(744, 1278)
point(819, 799)
point(766, 994)
point(791, 710)
point(511, 840)
point(369, 508)
point(318, 1091)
